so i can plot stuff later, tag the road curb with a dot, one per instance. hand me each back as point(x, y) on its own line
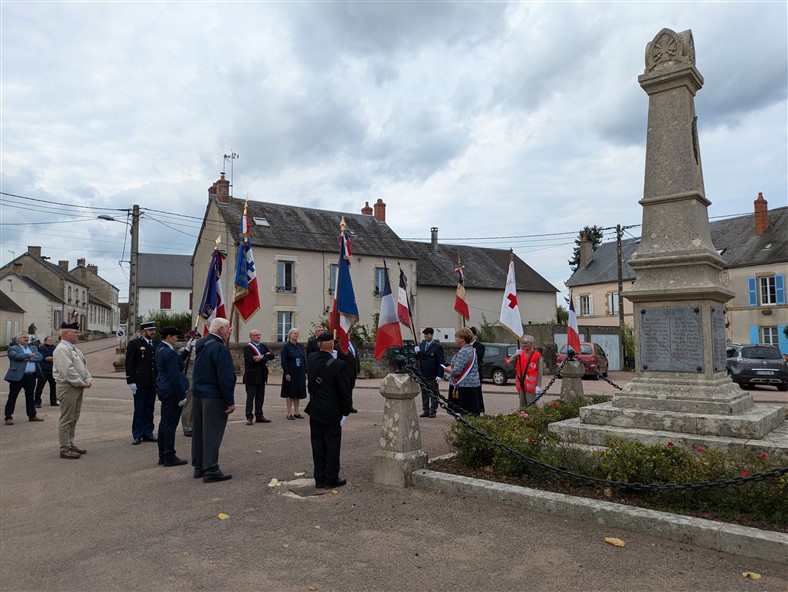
point(720, 536)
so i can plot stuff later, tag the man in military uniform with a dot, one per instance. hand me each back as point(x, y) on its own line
point(141, 378)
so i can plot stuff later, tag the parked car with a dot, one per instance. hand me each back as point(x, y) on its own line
point(756, 364)
point(593, 356)
point(496, 365)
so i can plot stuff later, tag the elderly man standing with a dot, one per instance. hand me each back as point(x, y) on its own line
point(213, 386)
point(141, 378)
point(21, 375)
point(71, 379)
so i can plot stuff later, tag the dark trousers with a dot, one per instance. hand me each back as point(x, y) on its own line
point(208, 423)
point(170, 416)
point(469, 398)
point(28, 383)
point(429, 404)
point(326, 443)
point(481, 400)
point(144, 405)
point(255, 393)
point(41, 383)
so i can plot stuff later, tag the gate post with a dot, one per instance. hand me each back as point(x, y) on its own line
point(572, 380)
point(400, 450)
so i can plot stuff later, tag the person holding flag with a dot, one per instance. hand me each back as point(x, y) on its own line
point(431, 363)
point(388, 333)
point(528, 369)
point(212, 303)
point(344, 313)
point(245, 294)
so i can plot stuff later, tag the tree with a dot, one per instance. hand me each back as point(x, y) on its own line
point(561, 314)
point(592, 233)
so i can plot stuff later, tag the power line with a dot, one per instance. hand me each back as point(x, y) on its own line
point(63, 204)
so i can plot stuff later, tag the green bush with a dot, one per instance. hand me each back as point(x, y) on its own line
point(526, 431)
point(180, 320)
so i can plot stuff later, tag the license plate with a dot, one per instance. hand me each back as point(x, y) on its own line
point(765, 372)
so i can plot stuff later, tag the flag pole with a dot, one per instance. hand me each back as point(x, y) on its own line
point(459, 265)
point(511, 261)
point(335, 312)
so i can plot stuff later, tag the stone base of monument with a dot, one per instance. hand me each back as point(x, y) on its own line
point(573, 431)
point(572, 380)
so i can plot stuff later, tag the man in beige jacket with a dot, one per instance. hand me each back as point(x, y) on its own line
point(72, 378)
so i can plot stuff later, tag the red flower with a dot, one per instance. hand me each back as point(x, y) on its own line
point(699, 449)
point(764, 455)
point(744, 474)
point(555, 404)
point(670, 443)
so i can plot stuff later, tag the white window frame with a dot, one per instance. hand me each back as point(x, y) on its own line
point(586, 305)
point(285, 277)
point(284, 322)
point(380, 279)
point(767, 290)
point(612, 303)
point(333, 272)
point(770, 336)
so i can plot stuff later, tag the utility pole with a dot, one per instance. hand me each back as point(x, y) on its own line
point(133, 290)
point(621, 326)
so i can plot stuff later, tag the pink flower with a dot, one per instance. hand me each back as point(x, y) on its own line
point(524, 415)
point(764, 455)
point(513, 412)
point(699, 449)
point(744, 474)
point(670, 443)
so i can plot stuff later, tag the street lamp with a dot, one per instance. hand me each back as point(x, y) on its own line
point(133, 290)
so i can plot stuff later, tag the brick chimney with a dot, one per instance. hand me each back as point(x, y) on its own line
point(434, 238)
point(586, 251)
point(380, 211)
point(761, 214)
point(220, 190)
point(34, 251)
point(366, 210)
point(63, 263)
point(17, 268)
point(80, 263)
point(93, 269)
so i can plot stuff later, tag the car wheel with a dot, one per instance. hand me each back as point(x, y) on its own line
point(782, 387)
point(499, 377)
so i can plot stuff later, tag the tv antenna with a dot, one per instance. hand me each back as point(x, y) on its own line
point(231, 157)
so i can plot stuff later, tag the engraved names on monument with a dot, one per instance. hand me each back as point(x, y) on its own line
point(671, 339)
point(718, 338)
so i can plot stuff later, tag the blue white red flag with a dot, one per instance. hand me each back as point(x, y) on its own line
point(389, 333)
point(572, 331)
point(212, 303)
point(344, 313)
point(245, 293)
point(460, 304)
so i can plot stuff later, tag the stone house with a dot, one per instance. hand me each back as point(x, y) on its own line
point(103, 311)
point(755, 250)
point(41, 307)
point(12, 318)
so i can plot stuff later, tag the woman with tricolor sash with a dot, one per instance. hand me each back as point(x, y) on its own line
point(464, 372)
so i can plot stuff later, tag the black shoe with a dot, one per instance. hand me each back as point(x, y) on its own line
point(136, 441)
point(298, 416)
point(174, 462)
point(319, 485)
point(425, 414)
point(187, 434)
point(217, 476)
point(199, 473)
point(161, 461)
point(262, 420)
point(55, 404)
point(338, 483)
point(149, 439)
point(431, 416)
point(353, 410)
point(38, 405)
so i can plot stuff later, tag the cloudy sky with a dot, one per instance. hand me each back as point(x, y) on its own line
point(503, 124)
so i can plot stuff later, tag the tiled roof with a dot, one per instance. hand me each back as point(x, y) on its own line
point(734, 239)
point(308, 229)
point(7, 303)
point(36, 286)
point(484, 267)
point(56, 269)
point(155, 270)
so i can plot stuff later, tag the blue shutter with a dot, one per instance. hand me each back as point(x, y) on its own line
point(754, 334)
point(752, 289)
point(779, 284)
point(783, 340)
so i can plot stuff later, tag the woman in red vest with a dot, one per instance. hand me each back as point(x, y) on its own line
point(529, 372)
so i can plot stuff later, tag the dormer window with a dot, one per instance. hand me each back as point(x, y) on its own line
point(261, 222)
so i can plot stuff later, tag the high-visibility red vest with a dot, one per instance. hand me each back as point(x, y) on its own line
point(530, 374)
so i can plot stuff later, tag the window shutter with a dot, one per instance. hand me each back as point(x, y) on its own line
point(752, 291)
point(578, 310)
point(754, 335)
point(779, 284)
point(165, 300)
point(590, 304)
point(782, 339)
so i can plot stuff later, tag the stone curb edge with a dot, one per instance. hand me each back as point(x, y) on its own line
point(720, 536)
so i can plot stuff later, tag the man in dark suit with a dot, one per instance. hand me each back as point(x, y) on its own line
point(171, 386)
point(213, 392)
point(47, 350)
point(431, 362)
point(21, 375)
point(256, 357)
point(330, 401)
point(353, 362)
point(479, 347)
point(141, 378)
point(311, 344)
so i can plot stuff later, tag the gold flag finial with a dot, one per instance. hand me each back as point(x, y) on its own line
point(511, 254)
point(342, 225)
point(218, 241)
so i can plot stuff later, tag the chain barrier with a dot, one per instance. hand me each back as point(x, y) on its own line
point(431, 388)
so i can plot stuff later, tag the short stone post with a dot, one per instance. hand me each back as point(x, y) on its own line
point(572, 380)
point(400, 442)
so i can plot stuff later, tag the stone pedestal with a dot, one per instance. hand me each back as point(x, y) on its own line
point(572, 380)
point(400, 442)
point(681, 389)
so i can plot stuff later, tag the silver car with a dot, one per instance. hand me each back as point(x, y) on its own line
point(757, 364)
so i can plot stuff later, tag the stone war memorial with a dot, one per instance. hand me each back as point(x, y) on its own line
point(681, 391)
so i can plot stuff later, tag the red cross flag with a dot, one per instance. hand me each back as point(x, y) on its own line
point(510, 310)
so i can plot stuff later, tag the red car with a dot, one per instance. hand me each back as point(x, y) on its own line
point(593, 356)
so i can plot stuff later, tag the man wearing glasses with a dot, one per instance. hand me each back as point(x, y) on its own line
point(71, 379)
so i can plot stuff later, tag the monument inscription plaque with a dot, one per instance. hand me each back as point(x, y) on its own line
point(671, 339)
point(718, 338)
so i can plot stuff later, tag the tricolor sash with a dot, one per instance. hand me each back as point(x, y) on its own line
point(465, 371)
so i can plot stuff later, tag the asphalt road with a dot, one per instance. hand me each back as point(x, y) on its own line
point(114, 520)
